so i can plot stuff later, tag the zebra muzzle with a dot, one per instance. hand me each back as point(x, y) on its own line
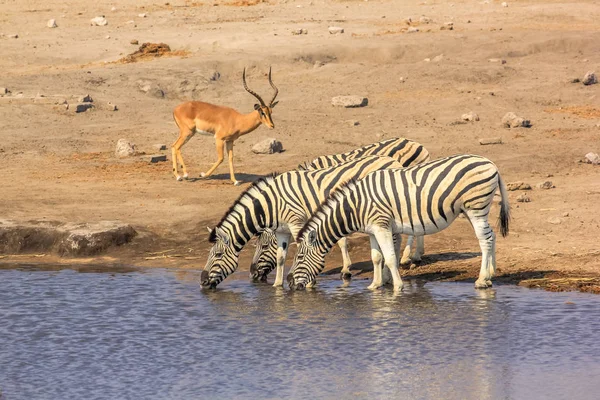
point(205, 281)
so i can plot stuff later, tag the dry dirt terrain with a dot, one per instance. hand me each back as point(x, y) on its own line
point(59, 165)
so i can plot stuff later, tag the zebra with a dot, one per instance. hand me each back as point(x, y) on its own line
point(418, 200)
point(407, 152)
point(283, 203)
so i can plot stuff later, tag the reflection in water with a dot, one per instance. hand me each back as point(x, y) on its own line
point(156, 335)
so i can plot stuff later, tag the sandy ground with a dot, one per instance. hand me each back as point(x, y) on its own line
point(59, 165)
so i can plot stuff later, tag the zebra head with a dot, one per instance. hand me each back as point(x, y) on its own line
point(222, 259)
point(265, 256)
point(308, 262)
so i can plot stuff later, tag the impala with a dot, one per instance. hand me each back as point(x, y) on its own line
point(225, 123)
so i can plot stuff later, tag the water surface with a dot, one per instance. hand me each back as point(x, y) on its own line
point(156, 335)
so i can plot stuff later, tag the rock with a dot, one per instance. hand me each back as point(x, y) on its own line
point(554, 220)
point(51, 23)
point(510, 120)
point(268, 146)
point(318, 64)
point(215, 76)
point(3, 91)
point(154, 158)
point(82, 107)
point(300, 31)
point(470, 116)
point(112, 107)
point(497, 60)
point(99, 21)
point(565, 214)
point(438, 58)
point(545, 185)
point(85, 99)
point(590, 79)
point(425, 20)
point(575, 80)
point(335, 30)
point(427, 59)
point(125, 148)
point(592, 158)
point(518, 186)
point(412, 29)
point(12, 36)
point(142, 15)
point(151, 89)
point(450, 24)
point(134, 41)
point(485, 142)
point(113, 9)
point(64, 239)
point(353, 122)
point(349, 101)
point(523, 198)
point(504, 4)
point(159, 147)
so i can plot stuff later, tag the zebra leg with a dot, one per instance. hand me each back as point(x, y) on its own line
point(345, 273)
point(407, 250)
point(283, 240)
point(492, 266)
point(377, 259)
point(420, 250)
point(387, 276)
point(486, 237)
point(385, 240)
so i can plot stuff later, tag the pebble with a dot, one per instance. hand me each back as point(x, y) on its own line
point(590, 79)
point(125, 148)
point(268, 146)
point(438, 58)
point(3, 90)
point(300, 31)
point(349, 101)
point(51, 23)
point(99, 21)
point(143, 15)
point(112, 107)
point(160, 147)
point(554, 220)
point(85, 99)
point(134, 41)
point(545, 185)
point(591, 158)
point(154, 158)
point(523, 198)
point(565, 214)
point(510, 120)
point(485, 142)
point(425, 20)
point(412, 29)
point(504, 4)
point(82, 107)
point(12, 36)
point(335, 30)
point(470, 116)
point(518, 186)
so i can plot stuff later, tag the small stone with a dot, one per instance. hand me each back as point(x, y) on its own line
point(335, 30)
point(134, 41)
point(412, 29)
point(113, 9)
point(12, 36)
point(470, 116)
point(575, 80)
point(353, 123)
point(438, 58)
point(590, 79)
point(160, 147)
point(523, 198)
point(554, 220)
point(107, 37)
point(497, 60)
point(215, 76)
point(151, 159)
point(85, 99)
point(485, 142)
point(142, 15)
point(268, 146)
point(112, 107)
point(545, 185)
point(349, 101)
point(425, 20)
point(152, 89)
point(300, 31)
point(510, 120)
point(518, 186)
point(82, 107)
point(427, 59)
point(565, 214)
point(3, 90)
point(99, 21)
point(125, 148)
point(448, 24)
point(592, 158)
point(318, 64)
point(51, 23)
point(504, 4)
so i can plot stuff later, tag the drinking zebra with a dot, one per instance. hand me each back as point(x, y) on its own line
point(418, 200)
point(406, 151)
point(282, 203)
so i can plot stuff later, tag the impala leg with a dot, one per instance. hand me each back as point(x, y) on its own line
point(184, 136)
point(229, 146)
point(385, 240)
point(219, 146)
point(283, 240)
point(180, 157)
point(345, 273)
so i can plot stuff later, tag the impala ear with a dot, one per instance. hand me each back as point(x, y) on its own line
point(274, 104)
point(209, 229)
point(257, 107)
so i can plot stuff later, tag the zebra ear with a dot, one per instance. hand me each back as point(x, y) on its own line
point(312, 237)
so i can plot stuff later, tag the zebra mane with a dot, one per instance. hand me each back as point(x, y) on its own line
point(212, 238)
point(334, 196)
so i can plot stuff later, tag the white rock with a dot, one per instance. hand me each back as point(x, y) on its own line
point(545, 185)
point(554, 220)
point(470, 116)
point(268, 146)
point(523, 198)
point(349, 101)
point(510, 120)
point(590, 78)
point(12, 36)
point(438, 58)
point(335, 30)
point(125, 148)
point(593, 158)
point(425, 20)
point(112, 107)
point(51, 23)
point(488, 141)
point(412, 29)
point(99, 21)
point(113, 9)
point(3, 90)
point(142, 15)
point(504, 4)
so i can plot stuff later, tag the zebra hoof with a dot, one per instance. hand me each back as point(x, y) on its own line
point(481, 284)
point(488, 283)
point(345, 276)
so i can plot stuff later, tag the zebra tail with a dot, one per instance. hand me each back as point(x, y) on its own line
point(504, 217)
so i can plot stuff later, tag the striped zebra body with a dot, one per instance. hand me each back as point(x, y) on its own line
point(418, 200)
point(405, 151)
point(282, 203)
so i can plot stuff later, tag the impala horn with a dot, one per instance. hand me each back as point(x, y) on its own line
point(274, 87)
point(250, 91)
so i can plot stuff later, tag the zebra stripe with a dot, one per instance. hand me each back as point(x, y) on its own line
point(405, 151)
point(418, 200)
point(282, 203)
